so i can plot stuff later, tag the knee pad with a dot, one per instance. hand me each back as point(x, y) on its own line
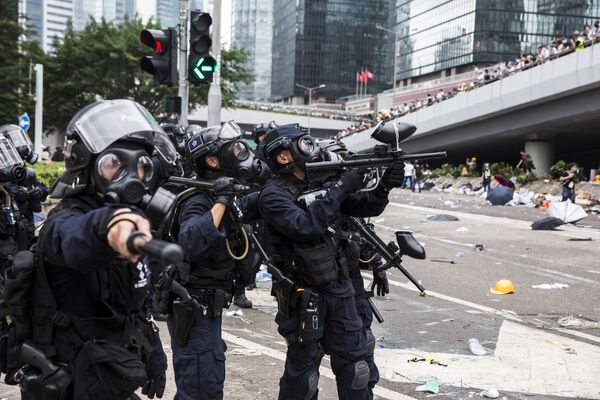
point(370, 342)
point(313, 385)
point(361, 375)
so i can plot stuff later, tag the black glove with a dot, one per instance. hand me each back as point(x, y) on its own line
point(352, 180)
point(156, 371)
point(380, 285)
point(223, 188)
point(20, 194)
point(393, 177)
point(155, 386)
point(39, 193)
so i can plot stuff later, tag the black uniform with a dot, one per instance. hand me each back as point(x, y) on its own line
point(321, 315)
point(95, 306)
point(199, 364)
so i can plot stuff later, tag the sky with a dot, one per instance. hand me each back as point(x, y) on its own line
point(147, 9)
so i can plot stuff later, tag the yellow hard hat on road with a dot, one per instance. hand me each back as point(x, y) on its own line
point(503, 286)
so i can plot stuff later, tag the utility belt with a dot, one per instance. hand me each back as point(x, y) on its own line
point(210, 302)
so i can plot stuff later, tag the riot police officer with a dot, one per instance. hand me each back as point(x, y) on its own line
point(319, 312)
point(361, 256)
point(87, 322)
point(27, 193)
point(209, 228)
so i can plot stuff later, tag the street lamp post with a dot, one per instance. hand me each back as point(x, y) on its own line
point(396, 40)
point(310, 92)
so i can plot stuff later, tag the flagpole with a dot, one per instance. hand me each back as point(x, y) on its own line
point(356, 92)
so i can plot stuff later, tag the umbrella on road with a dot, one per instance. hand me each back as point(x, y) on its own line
point(567, 211)
point(442, 217)
point(499, 195)
point(547, 224)
point(504, 181)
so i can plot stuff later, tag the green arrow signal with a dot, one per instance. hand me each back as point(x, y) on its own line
point(199, 68)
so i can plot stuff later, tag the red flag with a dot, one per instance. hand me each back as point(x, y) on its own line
point(363, 76)
point(369, 74)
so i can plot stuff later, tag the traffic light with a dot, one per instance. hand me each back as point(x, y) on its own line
point(163, 64)
point(201, 65)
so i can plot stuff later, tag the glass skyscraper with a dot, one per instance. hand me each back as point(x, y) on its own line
point(47, 19)
point(437, 35)
point(167, 13)
point(327, 42)
point(252, 30)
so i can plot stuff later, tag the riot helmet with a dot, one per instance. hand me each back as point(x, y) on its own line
point(21, 141)
point(177, 134)
point(12, 168)
point(292, 137)
point(109, 144)
point(225, 142)
point(260, 130)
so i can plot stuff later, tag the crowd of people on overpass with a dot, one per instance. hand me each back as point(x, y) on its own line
point(558, 48)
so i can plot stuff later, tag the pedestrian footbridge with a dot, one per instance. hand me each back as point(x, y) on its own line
point(552, 110)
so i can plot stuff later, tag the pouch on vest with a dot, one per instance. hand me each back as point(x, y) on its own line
point(18, 292)
point(317, 261)
point(104, 370)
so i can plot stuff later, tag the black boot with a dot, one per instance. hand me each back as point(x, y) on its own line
point(242, 301)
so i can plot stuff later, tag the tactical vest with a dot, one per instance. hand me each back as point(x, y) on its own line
point(118, 338)
point(216, 271)
point(313, 263)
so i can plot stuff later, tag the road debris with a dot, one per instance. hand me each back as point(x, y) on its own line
point(550, 286)
point(462, 229)
point(236, 313)
point(479, 247)
point(442, 218)
point(430, 386)
point(572, 321)
point(426, 360)
point(503, 286)
point(476, 348)
point(490, 394)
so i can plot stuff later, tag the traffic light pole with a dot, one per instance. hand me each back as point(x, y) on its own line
point(214, 93)
point(184, 13)
point(39, 106)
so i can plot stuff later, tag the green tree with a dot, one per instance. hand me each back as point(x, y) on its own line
point(103, 60)
point(16, 55)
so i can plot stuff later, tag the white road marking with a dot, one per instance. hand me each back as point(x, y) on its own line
point(486, 309)
point(324, 371)
point(526, 360)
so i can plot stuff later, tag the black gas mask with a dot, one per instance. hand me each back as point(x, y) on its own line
point(303, 149)
point(238, 161)
point(12, 168)
point(122, 174)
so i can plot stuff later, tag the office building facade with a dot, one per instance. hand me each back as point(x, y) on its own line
point(47, 19)
point(252, 30)
point(319, 42)
point(437, 36)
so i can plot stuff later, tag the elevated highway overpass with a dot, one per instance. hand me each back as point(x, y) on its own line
point(552, 111)
point(247, 118)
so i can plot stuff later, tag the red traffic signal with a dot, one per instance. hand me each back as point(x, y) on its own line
point(163, 64)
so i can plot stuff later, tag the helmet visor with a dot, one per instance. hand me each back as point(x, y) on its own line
point(9, 155)
point(106, 122)
point(20, 138)
point(165, 148)
point(230, 131)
